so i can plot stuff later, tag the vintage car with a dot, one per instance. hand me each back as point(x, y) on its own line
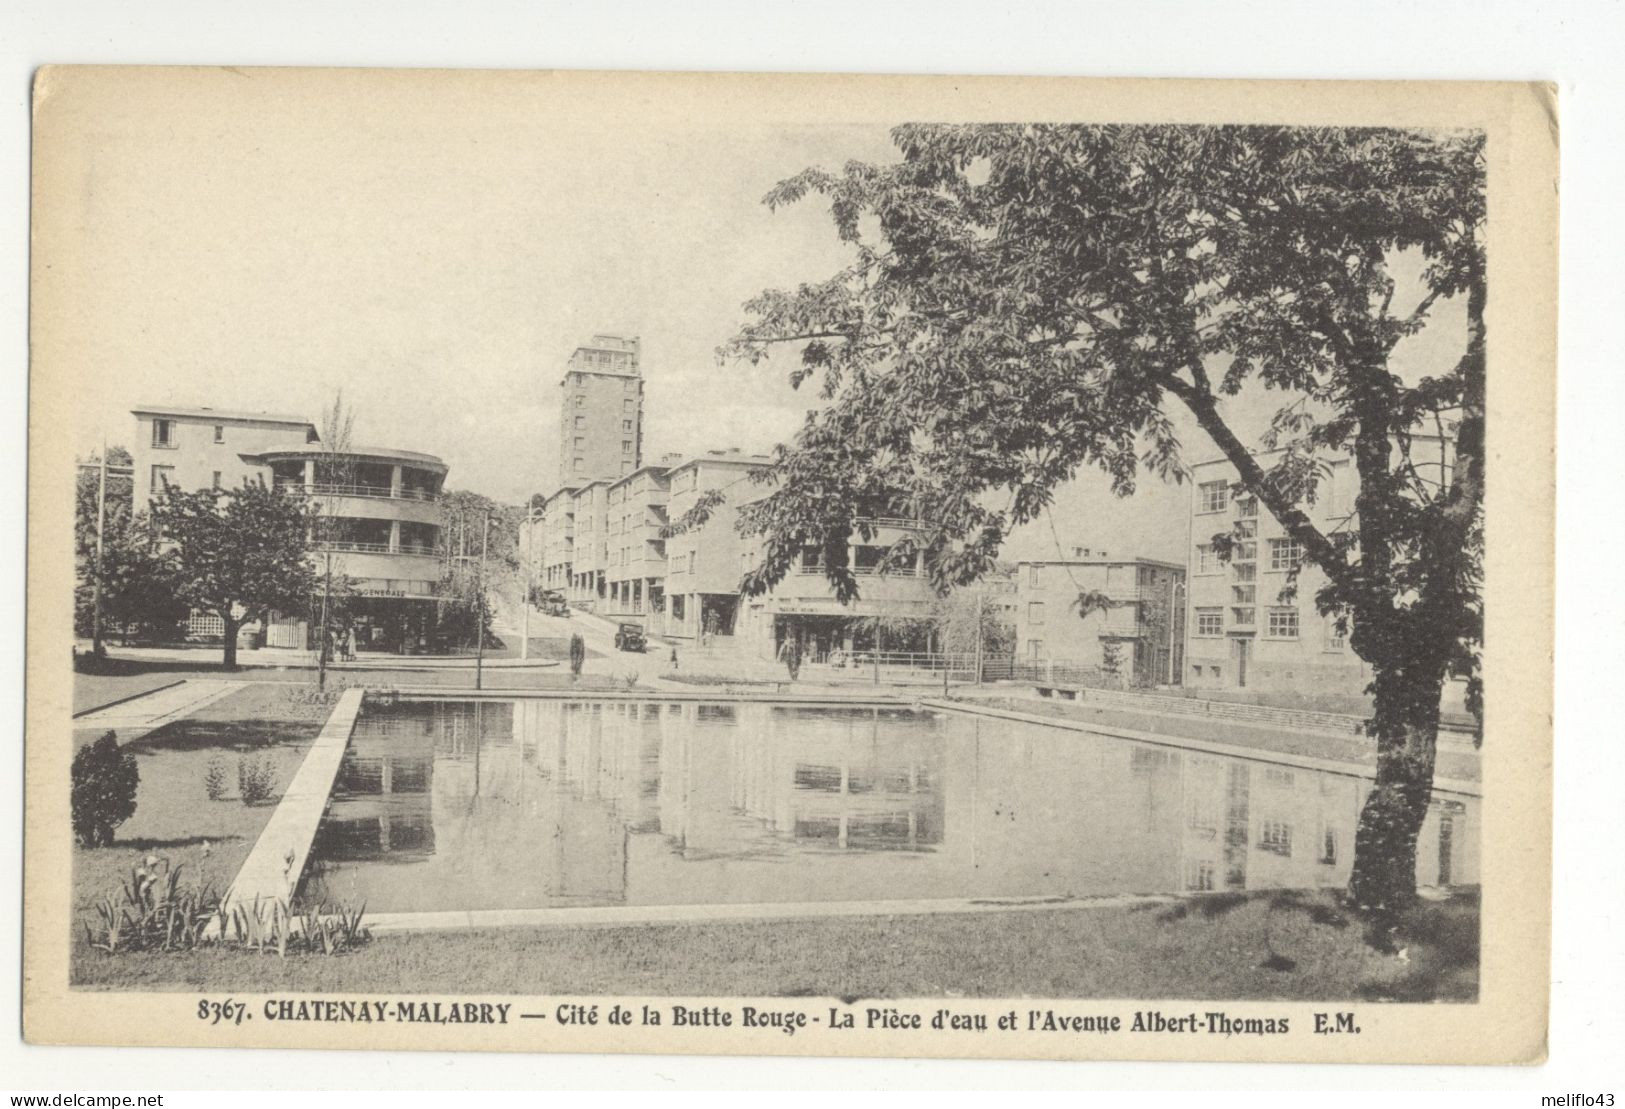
point(630, 637)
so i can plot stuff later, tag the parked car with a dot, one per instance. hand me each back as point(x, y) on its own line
point(630, 637)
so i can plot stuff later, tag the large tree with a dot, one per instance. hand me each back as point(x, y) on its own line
point(238, 553)
point(1024, 301)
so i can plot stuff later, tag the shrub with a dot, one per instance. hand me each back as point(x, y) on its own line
point(214, 779)
point(255, 779)
point(104, 784)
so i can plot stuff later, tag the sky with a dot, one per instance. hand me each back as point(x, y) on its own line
point(252, 243)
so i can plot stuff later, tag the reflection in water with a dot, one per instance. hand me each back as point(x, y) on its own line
point(542, 803)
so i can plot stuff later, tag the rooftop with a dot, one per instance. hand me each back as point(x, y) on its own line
point(373, 454)
point(206, 413)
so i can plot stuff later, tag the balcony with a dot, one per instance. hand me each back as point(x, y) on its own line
point(382, 492)
point(341, 546)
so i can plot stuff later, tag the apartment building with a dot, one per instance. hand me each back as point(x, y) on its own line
point(601, 411)
point(704, 564)
point(1252, 621)
point(635, 507)
point(557, 536)
point(589, 585)
point(378, 523)
point(892, 612)
point(1092, 608)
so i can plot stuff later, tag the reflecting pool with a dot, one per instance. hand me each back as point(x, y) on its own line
point(543, 803)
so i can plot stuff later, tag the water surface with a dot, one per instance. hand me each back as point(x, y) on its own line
point(543, 803)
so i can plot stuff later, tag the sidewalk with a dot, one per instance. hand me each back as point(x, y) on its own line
point(286, 658)
point(134, 718)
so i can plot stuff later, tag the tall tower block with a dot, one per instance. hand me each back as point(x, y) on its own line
point(601, 411)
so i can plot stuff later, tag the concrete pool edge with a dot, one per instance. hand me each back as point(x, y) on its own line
point(610, 916)
point(444, 693)
point(1206, 747)
point(277, 859)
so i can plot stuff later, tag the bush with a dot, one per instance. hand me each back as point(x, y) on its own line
point(214, 779)
point(104, 784)
point(255, 779)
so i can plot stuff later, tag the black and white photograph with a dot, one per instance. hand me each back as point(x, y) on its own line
point(561, 562)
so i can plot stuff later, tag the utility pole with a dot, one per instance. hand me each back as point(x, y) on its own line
point(479, 611)
point(96, 583)
point(321, 641)
point(981, 599)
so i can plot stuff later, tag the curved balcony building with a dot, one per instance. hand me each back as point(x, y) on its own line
point(378, 525)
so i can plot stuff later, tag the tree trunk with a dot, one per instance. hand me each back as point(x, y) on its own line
point(229, 660)
point(1406, 726)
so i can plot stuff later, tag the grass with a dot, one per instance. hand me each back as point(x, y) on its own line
point(1270, 945)
point(1359, 750)
point(174, 817)
point(121, 679)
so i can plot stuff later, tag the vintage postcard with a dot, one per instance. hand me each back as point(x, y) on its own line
point(619, 562)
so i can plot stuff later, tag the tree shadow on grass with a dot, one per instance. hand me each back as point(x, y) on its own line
point(145, 843)
point(230, 735)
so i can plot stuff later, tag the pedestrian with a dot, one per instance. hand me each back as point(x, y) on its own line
point(674, 658)
point(349, 646)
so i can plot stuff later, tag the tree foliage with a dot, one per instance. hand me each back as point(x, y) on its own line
point(1024, 301)
point(238, 553)
point(104, 781)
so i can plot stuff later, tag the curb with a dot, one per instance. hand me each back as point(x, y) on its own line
point(130, 697)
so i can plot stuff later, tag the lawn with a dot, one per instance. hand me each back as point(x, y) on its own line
point(116, 680)
point(1268, 945)
point(1361, 750)
point(174, 816)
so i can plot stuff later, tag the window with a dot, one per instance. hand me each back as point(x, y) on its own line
point(626, 405)
point(1337, 492)
point(1212, 496)
point(1207, 562)
point(160, 477)
point(1283, 623)
point(1199, 875)
point(217, 479)
point(1035, 576)
point(1275, 836)
point(626, 425)
point(581, 442)
point(578, 464)
point(1285, 554)
point(1035, 612)
point(626, 466)
point(626, 445)
point(1328, 847)
point(1334, 639)
point(1209, 621)
point(163, 433)
point(581, 402)
point(1243, 617)
point(1247, 507)
point(1244, 594)
point(219, 433)
point(581, 422)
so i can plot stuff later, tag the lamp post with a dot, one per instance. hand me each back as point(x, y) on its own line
point(479, 610)
point(530, 572)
